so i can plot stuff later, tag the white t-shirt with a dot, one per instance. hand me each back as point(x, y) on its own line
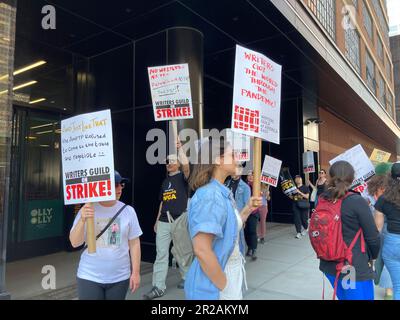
point(111, 262)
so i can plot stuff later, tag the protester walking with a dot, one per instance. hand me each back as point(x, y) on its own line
point(358, 231)
point(215, 226)
point(301, 208)
point(263, 211)
point(173, 203)
point(250, 229)
point(376, 187)
point(388, 205)
point(115, 267)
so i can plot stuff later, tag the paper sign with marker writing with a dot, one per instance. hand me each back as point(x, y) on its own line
point(363, 167)
point(379, 156)
point(256, 95)
point(308, 162)
point(270, 171)
point(170, 92)
point(240, 143)
point(87, 158)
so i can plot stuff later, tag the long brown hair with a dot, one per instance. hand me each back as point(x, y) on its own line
point(341, 177)
point(392, 192)
point(203, 171)
point(377, 182)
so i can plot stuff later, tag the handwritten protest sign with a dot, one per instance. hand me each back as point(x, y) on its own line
point(170, 92)
point(240, 143)
point(270, 171)
point(308, 162)
point(256, 95)
point(362, 165)
point(379, 156)
point(87, 158)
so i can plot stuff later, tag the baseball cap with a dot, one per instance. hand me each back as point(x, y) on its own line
point(396, 171)
point(119, 178)
point(172, 158)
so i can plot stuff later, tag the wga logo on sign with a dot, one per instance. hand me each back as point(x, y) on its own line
point(49, 20)
point(349, 14)
point(41, 216)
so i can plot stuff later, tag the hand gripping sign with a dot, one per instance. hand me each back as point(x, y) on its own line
point(256, 102)
point(88, 162)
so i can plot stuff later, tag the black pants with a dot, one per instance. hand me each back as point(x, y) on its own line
point(89, 290)
point(300, 217)
point(250, 231)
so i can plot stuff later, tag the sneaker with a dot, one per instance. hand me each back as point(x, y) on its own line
point(262, 241)
point(304, 232)
point(153, 294)
point(181, 285)
point(253, 255)
point(298, 236)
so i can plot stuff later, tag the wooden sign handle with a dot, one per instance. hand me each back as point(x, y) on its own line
point(90, 234)
point(257, 167)
point(175, 130)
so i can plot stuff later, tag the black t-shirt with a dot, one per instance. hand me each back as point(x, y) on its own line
point(303, 189)
point(321, 189)
point(392, 213)
point(174, 196)
point(232, 185)
point(355, 215)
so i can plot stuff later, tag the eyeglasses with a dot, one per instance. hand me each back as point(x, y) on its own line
point(120, 184)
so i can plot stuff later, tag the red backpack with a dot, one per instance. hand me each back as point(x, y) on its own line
point(325, 232)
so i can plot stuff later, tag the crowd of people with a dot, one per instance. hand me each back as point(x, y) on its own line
point(224, 218)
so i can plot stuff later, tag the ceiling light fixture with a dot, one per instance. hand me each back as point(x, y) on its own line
point(37, 100)
point(20, 86)
point(26, 68)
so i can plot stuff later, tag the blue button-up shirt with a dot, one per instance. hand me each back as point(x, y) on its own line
point(211, 210)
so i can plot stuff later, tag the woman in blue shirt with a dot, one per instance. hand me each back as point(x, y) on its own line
point(215, 226)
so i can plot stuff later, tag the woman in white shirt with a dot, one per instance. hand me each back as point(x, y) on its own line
point(107, 274)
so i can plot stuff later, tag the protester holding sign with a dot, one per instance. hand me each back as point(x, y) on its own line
point(215, 226)
point(301, 207)
point(173, 202)
point(107, 274)
point(388, 205)
point(250, 230)
point(263, 211)
point(376, 188)
point(358, 231)
point(319, 187)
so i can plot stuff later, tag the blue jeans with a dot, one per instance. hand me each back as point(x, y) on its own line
point(363, 290)
point(391, 258)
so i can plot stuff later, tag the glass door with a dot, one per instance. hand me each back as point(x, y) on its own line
point(37, 211)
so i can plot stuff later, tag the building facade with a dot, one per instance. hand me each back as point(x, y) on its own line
point(395, 48)
point(337, 81)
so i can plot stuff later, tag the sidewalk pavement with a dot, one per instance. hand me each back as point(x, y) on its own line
point(286, 269)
